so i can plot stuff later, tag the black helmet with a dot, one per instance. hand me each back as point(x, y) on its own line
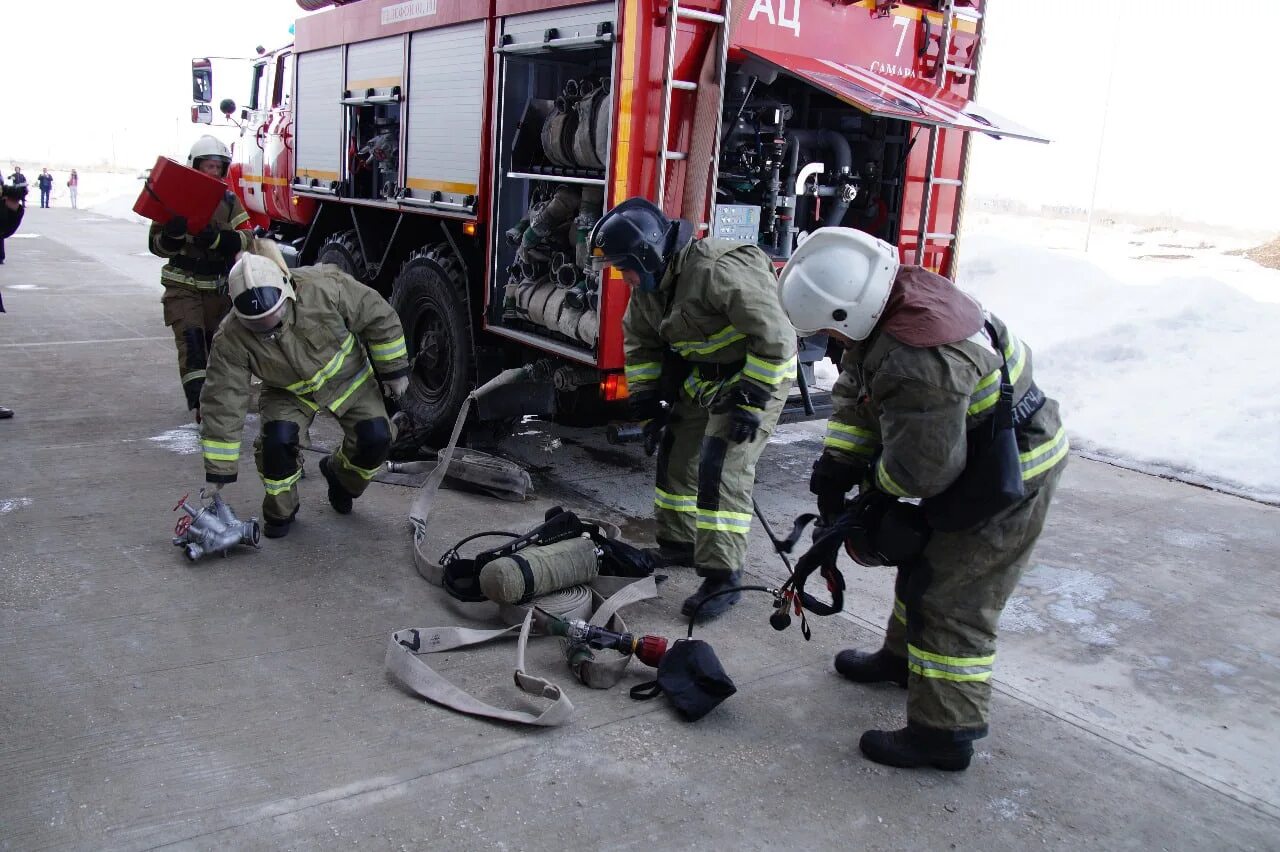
point(634, 235)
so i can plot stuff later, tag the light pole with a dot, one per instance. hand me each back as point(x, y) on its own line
point(1102, 133)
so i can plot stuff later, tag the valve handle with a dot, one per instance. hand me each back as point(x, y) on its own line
point(182, 502)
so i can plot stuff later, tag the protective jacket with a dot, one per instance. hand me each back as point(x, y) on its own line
point(717, 309)
point(318, 356)
point(907, 409)
point(194, 267)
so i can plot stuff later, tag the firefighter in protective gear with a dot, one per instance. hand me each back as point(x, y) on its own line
point(710, 358)
point(919, 373)
point(324, 344)
point(194, 278)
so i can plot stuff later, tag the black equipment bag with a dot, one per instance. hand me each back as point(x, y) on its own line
point(691, 676)
point(992, 477)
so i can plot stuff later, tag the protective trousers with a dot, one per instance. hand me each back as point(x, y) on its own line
point(703, 489)
point(366, 439)
point(946, 610)
point(194, 316)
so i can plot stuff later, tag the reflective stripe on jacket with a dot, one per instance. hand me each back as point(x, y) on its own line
point(717, 304)
point(909, 409)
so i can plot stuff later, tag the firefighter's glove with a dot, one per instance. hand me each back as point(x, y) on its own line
point(653, 430)
point(395, 388)
point(176, 228)
point(745, 404)
point(645, 405)
point(225, 241)
point(831, 480)
point(883, 530)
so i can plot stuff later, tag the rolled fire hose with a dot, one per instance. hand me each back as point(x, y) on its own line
point(407, 647)
point(536, 571)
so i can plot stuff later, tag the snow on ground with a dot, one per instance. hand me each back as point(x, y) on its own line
point(1163, 351)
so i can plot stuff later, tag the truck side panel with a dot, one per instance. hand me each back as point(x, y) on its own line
point(445, 111)
point(575, 21)
point(375, 64)
point(318, 121)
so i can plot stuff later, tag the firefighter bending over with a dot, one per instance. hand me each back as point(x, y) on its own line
point(195, 276)
point(704, 333)
point(307, 345)
point(922, 404)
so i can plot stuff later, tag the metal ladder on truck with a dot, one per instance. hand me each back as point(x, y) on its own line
point(931, 180)
point(675, 14)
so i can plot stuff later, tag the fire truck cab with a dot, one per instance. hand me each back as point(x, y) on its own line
point(454, 155)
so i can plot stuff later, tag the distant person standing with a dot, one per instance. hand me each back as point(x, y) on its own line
point(46, 186)
point(18, 178)
point(73, 184)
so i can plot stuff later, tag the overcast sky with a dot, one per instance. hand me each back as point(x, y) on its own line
point(1190, 127)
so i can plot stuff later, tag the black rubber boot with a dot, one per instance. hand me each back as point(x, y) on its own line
point(673, 553)
point(718, 605)
point(913, 747)
point(339, 499)
point(880, 667)
point(5, 413)
point(272, 528)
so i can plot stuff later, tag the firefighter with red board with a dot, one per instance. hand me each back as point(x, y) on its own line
point(195, 274)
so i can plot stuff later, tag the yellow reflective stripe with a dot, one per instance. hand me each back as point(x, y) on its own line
point(644, 372)
point(712, 519)
point(364, 473)
point(769, 372)
point(852, 438)
point(675, 502)
point(850, 429)
point(390, 350)
point(328, 371)
point(960, 662)
point(280, 486)
point(899, 611)
point(220, 450)
point(308, 403)
point(943, 674)
point(182, 279)
point(238, 220)
point(701, 391)
point(886, 482)
point(192, 376)
point(1044, 456)
point(987, 391)
point(722, 338)
point(359, 380)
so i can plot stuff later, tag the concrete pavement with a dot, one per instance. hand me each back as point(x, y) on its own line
point(146, 702)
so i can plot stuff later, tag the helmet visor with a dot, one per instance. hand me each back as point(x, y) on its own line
point(260, 309)
point(601, 261)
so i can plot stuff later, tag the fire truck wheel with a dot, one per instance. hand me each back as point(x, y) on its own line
point(343, 251)
point(429, 295)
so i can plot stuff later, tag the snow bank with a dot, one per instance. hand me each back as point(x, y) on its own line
point(1167, 366)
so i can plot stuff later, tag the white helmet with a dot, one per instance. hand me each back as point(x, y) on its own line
point(838, 280)
point(206, 147)
point(260, 292)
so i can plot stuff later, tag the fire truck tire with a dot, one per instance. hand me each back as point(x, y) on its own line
point(343, 251)
point(430, 297)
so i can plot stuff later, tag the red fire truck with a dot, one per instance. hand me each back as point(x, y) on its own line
point(454, 154)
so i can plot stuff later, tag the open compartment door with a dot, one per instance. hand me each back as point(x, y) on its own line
point(915, 100)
